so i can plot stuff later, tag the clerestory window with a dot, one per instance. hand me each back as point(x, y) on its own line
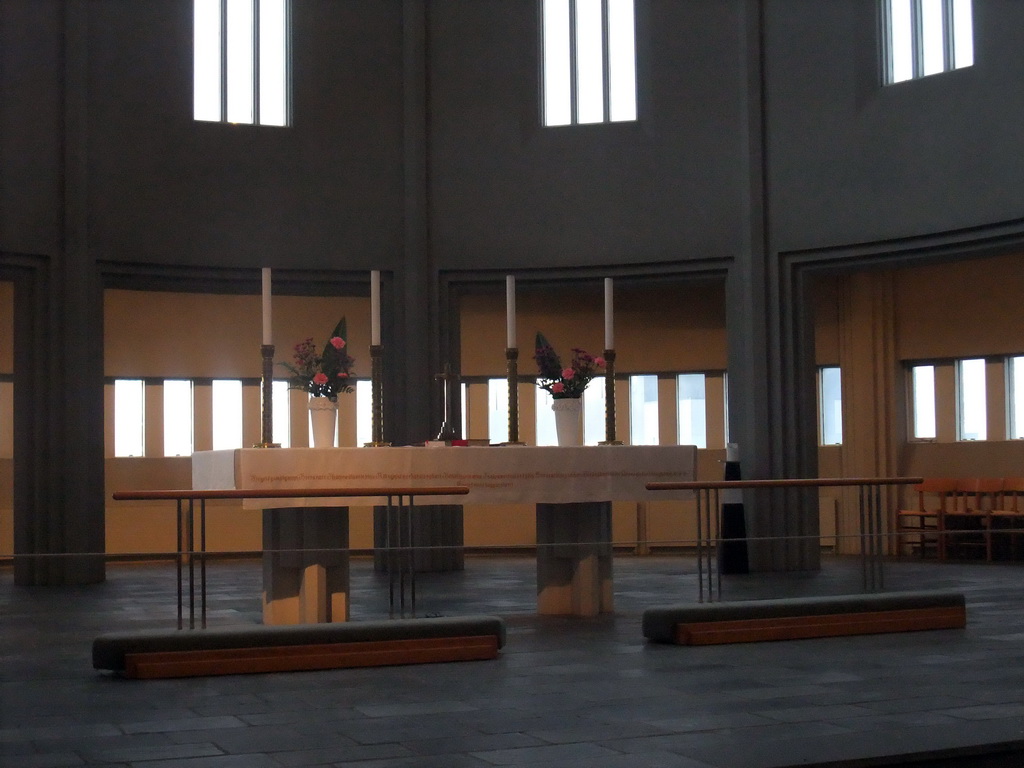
point(241, 61)
point(925, 37)
point(588, 55)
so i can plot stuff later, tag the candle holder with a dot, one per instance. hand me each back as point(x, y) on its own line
point(377, 391)
point(609, 399)
point(267, 392)
point(448, 432)
point(512, 375)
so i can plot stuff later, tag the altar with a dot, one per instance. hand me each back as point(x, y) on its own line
point(306, 565)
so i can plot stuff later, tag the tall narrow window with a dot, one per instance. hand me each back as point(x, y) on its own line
point(588, 61)
point(594, 426)
point(725, 406)
point(129, 417)
point(691, 401)
point(972, 414)
point(830, 405)
point(1015, 397)
point(177, 417)
point(227, 414)
point(546, 433)
point(924, 37)
point(497, 410)
point(464, 410)
point(922, 395)
point(240, 60)
point(281, 399)
point(364, 412)
point(643, 410)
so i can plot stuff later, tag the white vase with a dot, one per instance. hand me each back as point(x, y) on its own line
point(568, 420)
point(323, 417)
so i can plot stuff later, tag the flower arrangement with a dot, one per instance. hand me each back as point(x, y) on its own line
point(560, 381)
point(325, 374)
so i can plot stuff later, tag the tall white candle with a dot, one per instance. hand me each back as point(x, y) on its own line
point(375, 307)
point(510, 312)
point(609, 325)
point(267, 325)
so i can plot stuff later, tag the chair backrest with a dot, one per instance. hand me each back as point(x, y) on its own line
point(940, 487)
point(979, 494)
point(1013, 495)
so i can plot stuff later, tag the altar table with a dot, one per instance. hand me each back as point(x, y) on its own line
point(572, 489)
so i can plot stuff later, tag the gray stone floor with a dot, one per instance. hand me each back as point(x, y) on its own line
point(565, 692)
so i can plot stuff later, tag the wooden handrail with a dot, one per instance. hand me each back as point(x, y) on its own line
point(291, 493)
point(697, 485)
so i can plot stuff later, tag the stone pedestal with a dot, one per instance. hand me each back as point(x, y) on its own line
point(574, 559)
point(305, 565)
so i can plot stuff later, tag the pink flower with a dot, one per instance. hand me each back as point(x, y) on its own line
point(337, 342)
point(599, 362)
point(568, 373)
point(320, 379)
point(557, 388)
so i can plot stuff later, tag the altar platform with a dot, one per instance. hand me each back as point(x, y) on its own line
point(305, 540)
point(565, 693)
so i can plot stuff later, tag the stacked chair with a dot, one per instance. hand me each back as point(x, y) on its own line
point(965, 517)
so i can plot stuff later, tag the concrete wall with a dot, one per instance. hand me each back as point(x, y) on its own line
point(854, 162)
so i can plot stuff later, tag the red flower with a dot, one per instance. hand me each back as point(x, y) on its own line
point(337, 342)
point(557, 388)
point(320, 378)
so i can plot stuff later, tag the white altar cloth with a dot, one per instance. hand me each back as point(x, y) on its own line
point(493, 474)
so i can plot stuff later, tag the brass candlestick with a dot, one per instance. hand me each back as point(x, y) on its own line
point(512, 375)
point(377, 396)
point(609, 399)
point(267, 393)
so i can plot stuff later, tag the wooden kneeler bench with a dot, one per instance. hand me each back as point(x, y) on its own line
point(752, 621)
point(234, 651)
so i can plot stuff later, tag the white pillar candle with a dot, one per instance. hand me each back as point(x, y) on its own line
point(609, 333)
point(267, 335)
point(375, 307)
point(510, 312)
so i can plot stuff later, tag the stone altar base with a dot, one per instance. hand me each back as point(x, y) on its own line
point(574, 559)
point(305, 565)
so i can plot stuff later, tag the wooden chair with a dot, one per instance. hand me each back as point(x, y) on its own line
point(1007, 518)
point(922, 527)
point(969, 522)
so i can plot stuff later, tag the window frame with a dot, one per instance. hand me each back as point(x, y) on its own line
point(171, 417)
point(961, 406)
point(137, 421)
point(1014, 379)
point(912, 411)
point(822, 418)
point(256, 65)
point(606, 73)
point(917, 43)
point(701, 444)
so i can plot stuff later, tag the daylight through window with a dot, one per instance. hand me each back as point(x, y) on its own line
point(922, 395)
point(588, 61)
point(830, 405)
point(924, 37)
point(240, 61)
